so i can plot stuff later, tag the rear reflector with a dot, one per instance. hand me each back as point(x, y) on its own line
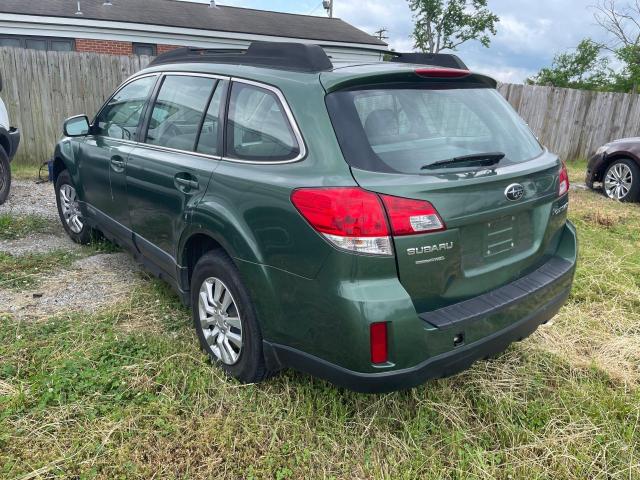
point(379, 352)
point(349, 217)
point(442, 72)
point(563, 180)
point(411, 217)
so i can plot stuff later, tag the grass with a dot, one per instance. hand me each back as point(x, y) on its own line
point(127, 394)
point(15, 227)
point(22, 171)
point(18, 272)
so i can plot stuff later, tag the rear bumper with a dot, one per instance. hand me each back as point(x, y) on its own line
point(520, 307)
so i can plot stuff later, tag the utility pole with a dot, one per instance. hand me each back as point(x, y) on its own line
point(328, 6)
point(381, 34)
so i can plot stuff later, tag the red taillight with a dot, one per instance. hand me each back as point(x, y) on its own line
point(410, 217)
point(563, 180)
point(354, 219)
point(442, 72)
point(350, 218)
point(348, 212)
point(379, 352)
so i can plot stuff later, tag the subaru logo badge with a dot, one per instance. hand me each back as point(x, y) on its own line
point(514, 192)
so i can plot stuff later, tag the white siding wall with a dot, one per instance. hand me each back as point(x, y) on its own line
point(131, 32)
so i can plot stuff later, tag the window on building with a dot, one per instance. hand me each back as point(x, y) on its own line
point(144, 49)
point(38, 43)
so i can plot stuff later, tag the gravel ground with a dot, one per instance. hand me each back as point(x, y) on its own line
point(38, 244)
point(88, 285)
point(30, 198)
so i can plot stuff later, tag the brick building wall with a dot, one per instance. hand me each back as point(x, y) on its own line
point(113, 47)
point(166, 48)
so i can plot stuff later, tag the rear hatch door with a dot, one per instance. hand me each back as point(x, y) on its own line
point(404, 133)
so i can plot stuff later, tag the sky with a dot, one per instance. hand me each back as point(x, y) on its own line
point(530, 33)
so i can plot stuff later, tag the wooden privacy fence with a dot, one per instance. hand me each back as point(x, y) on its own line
point(574, 123)
point(41, 89)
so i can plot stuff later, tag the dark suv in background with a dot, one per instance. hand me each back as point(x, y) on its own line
point(373, 224)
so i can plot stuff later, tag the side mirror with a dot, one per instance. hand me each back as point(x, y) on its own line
point(76, 126)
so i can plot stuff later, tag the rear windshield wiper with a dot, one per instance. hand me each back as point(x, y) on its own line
point(483, 159)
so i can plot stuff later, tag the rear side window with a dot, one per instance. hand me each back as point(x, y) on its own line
point(258, 128)
point(120, 117)
point(178, 111)
point(406, 129)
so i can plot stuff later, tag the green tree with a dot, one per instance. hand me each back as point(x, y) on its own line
point(447, 24)
point(628, 79)
point(588, 68)
point(584, 69)
point(622, 24)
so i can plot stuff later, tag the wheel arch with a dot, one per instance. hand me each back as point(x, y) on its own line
point(4, 144)
point(64, 159)
point(196, 241)
point(609, 159)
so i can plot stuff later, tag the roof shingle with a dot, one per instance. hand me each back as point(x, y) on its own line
point(173, 13)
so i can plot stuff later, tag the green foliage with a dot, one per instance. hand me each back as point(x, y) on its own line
point(628, 79)
point(446, 24)
point(588, 68)
point(584, 69)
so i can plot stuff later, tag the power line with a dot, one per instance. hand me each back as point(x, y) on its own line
point(381, 34)
point(315, 8)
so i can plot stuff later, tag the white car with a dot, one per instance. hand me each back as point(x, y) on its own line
point(9, 141)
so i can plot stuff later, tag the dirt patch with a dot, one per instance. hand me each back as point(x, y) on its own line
point(38, 244)
point(30, 198)
point(606, 219)
point(90, 284)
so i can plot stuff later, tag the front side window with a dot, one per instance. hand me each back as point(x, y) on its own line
point(408, 129)
point(121, 115)
point(258, 128)
point(208, 142)
point(178, 111)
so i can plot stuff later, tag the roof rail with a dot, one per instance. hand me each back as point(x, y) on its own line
point(301, 57)
point(446, 60)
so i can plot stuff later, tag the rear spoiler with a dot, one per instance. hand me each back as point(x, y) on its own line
point(446, 60)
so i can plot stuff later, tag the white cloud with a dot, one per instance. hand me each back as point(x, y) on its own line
point(529, 33)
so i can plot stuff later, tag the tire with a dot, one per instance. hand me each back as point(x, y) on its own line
point(621, 181)
point(220, 328)
point(5, 176)
point(69, 211)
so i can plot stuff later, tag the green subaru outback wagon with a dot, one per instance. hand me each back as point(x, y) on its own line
point(374, 224)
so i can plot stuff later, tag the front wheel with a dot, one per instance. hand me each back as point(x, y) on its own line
point(225, 320)
point(622, 181)
point(5, 176)
point(69, 210)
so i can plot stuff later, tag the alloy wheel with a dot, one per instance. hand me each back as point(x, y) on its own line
point(220, 320)
point(618, 181)
point(71, 208)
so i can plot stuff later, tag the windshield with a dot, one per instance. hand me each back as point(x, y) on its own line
point(407, 129)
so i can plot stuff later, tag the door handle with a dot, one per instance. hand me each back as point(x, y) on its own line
point(117, 163)
point(186, 185)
